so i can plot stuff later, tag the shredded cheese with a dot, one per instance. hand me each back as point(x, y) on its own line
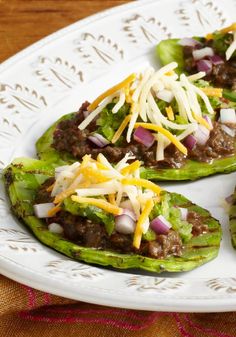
point(166, 133)
point(170, 113)
point(143, 217)
point(53, 211)
point(93, 175)
point(209, 36)
point(112, 199)
point(111, 91)
point(100, 203)
point(228, 29)
point(212, 92)
point(229, 52)
point(121, 129)
point(202, 121)
point(130, 168)
point(142, 183)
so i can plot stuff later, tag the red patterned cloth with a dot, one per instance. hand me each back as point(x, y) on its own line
point(28, 312)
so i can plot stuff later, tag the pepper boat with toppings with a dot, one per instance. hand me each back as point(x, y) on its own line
point(214, 54)
point(179, 127)
point(106, 214)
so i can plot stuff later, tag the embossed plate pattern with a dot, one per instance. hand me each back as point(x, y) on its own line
point(52, 78)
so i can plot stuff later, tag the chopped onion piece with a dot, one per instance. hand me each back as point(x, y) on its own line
point(144, 136)
point(202, 135)
point(216, 59)
point(86, 113)
point(230, 199)
point(124, 224)
point(165, 95)
point(184, 213)
point(229, 131)
point(160, 225)
point(41, 210)
point(188, 41)
point(190, 142)
point(98, 140)
point(55, 228)
point(204, 65)
point(130, 213)
point(199, 54)
point(227, 115)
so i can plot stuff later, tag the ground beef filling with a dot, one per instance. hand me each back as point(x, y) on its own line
point(68, 138)
point(222, 75)
point(90, 234)
point(198, 223)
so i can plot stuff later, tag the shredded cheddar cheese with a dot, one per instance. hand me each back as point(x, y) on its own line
point(202, 121)
point(166, 133)
point(121, 129)
point(53, 211)
point(50, 188)
point(209, 36)
point(93, 175)
point(213, 92)
point(143, 217)
point(131, 168)
point(98, 203)
point(142, 183)
point(229, 28)
point(170, 113)
point(111, 91)
point(112, 199)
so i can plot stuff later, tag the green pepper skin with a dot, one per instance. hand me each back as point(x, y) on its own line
point(24, 176)
point(192, 170)
point(232, 220)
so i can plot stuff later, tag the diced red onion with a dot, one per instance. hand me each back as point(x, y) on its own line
point(160, 225)
point(165, 95)
point(199, 54)
point(189, 42)
point(190, 142)
point(124, 224)
point(55, 228)
point(183, 212)
point(86, 113)
point(204, 65)
point(229, 131)
point(144, 136)
point(41, 210)
point(202, 135)
point(229, 199)
point(130, 213)
point(98, 140)
point(216, 59)
point(227, 116)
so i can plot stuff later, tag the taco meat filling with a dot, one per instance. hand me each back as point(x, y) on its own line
point(87, 233)
point(68, 138)
point(222, 75)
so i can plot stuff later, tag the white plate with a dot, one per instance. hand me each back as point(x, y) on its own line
point(53, 77)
